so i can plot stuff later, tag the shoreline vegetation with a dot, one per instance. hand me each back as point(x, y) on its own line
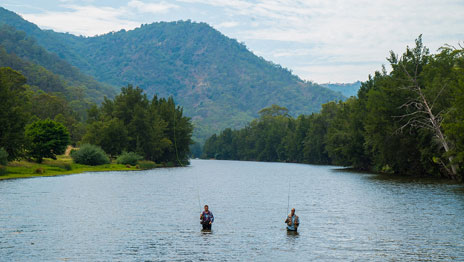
point(63, 165)
point(128, 132)
point(407, 122)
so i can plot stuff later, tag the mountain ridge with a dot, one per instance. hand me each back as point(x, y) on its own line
point(218, 81)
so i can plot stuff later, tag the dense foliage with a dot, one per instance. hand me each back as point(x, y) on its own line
point(13, 114)
point(217, 80)
point(3, 157)
point(155, 129)
point(91, 155)
point(46, 138)
point(56, 89)
point(129, 158)
point(46, 70)
point(408, 121)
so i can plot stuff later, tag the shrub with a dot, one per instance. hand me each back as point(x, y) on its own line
point(147, 165)
point(130, 158)
point(3, 157)
point(39, 170)
point(91, 155)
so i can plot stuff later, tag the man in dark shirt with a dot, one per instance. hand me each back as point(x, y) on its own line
point(206, 219)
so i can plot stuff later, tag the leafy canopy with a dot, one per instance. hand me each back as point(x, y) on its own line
point(46, 138)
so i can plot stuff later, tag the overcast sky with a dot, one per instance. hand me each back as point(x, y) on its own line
point(319, 40)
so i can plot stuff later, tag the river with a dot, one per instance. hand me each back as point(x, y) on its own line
point(154, 215)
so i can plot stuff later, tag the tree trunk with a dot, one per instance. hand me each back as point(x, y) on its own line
point(439, 134)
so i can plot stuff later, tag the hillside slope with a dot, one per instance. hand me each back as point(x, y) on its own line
point(217, 80)
point(347, 89)
point(46, 70)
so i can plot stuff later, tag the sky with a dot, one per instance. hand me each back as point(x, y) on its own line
point(319, 40)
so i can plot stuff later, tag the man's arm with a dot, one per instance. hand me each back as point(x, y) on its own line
point(212, 217)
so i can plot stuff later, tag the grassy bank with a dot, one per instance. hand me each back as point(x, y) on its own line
point(63, 165)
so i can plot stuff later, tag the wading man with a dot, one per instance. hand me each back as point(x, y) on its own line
point(206, 218)
point(292, 221)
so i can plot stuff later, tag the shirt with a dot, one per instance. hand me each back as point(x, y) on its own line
point(207, 216)
point(292, 227)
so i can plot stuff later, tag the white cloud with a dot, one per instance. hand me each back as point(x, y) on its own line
point(89, 20)
point(154, 8)
point(83, 20)
point(336, 73)
point(228, 24)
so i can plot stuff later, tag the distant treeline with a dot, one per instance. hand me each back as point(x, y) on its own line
point(409, 121)
point(36, 124)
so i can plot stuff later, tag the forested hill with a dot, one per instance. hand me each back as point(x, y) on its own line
point(46, 70)
point(347, 89)
point(217, 80)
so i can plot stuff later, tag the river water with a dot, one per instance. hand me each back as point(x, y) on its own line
point(154, 215)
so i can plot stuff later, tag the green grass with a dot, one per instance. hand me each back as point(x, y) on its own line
point(63, 165)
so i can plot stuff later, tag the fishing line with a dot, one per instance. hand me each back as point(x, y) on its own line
point(178, 160)
point(288, 200)
point(175, 137)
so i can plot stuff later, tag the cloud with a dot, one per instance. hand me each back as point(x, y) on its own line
point(228, 24)
point(154, 8)
point(89, 20)
point(336, 73)
point(83, 20)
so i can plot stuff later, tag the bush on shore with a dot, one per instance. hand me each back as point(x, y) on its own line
point(91, 155)
point(130, 158)
point(147, 165)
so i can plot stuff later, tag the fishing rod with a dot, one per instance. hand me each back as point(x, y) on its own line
point(180, 163)
point(288, 200)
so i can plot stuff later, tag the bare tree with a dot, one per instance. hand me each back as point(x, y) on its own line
point(421, 112)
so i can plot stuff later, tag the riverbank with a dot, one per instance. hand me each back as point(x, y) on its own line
point(64, 165)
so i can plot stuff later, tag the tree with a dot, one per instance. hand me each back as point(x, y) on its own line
point(453, 124)
point(46, 138)
point(423, 110)
point(273, 110)
point(13, 116)
point(156, 129)
point(111, 136)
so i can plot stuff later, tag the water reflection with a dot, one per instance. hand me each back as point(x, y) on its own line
point(292, 233)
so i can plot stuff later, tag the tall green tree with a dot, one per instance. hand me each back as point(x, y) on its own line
point(155, 129)
point(453, 124)
point(13, 114)
point(46, 138)
point(111, 136)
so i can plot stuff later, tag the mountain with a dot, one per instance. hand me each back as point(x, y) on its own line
point(218, 81)
point(46, 70)
point(346, 89)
